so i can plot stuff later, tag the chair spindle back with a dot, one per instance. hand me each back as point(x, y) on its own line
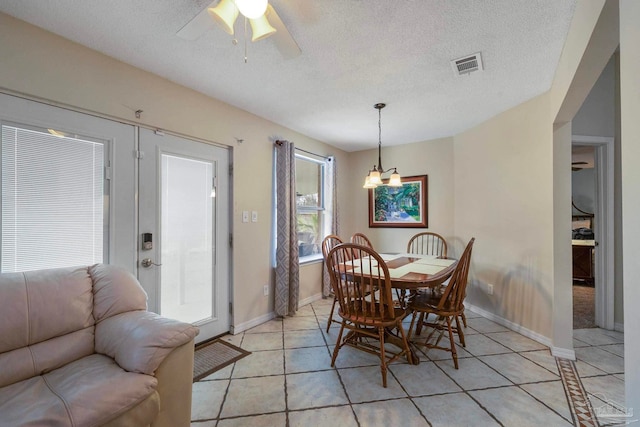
point(427, 243)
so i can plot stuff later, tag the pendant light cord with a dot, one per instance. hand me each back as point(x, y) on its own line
point(380, 107)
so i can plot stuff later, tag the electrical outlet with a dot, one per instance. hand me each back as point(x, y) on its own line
point(254, 216)
point(265, 289)
point(489, 289)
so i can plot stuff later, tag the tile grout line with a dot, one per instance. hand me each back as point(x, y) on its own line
point(579, 404)
point(580, 407)
point(335, 368)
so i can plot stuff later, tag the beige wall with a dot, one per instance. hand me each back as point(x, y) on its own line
point(45, 66)
point(432, 158)
point(592, 41)
point(562, 249)
point(630, 131)
point(504, 198)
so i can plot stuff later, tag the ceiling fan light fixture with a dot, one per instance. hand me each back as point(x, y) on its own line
point(225, 14)
point(261, 28)
point(252, 9)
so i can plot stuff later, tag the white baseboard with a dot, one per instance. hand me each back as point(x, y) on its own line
point(618, 327)
point(236, 329)
point(563, 353)
point(511, 325)
point(309, 300)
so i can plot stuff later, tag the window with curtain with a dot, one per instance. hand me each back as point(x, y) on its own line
point(310, 206)
point(53, 199)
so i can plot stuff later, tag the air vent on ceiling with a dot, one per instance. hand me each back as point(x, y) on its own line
point(467, 64)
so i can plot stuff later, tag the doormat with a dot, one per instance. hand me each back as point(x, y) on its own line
point(213, 356)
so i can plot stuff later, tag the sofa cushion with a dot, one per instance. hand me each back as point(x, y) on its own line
point(115, 291)
point(30, 301)
point(31, 403)
point(88, 392)
point(40, 358)
point(46, 321)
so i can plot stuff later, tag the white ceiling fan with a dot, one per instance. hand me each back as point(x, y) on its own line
point(264, 23)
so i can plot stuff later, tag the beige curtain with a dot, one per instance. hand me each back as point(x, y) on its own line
point(331, 206)
point(287, 278)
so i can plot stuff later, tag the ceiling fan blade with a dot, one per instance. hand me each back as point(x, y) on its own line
point(282, 38)
point(199, 25)
point(579, 163)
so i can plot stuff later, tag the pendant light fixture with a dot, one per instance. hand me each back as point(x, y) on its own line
point(374, 177)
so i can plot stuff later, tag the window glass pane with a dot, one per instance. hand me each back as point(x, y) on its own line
point(309, 201)
point(309, 233)
point(187, 239)
point(52, 199)
point(308, 183)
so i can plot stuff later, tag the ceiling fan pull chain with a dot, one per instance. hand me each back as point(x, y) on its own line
point(245, 39)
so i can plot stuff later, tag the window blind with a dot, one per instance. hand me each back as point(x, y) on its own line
point(53, 201)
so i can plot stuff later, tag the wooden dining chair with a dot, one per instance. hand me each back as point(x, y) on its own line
point(370, 317)
point(446, 306)
point(361, 239)
point(328, 243)
point(427, 243)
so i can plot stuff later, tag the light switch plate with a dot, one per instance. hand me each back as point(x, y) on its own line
point(254, 216)
point(245, 216)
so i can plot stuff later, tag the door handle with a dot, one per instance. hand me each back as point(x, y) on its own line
point(146, 263)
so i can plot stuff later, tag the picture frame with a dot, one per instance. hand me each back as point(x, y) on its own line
point(400, 207)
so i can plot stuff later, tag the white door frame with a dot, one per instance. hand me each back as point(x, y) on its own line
point(604, 226)
point(149, 277)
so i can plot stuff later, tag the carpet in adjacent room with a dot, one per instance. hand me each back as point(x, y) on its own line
point(584, 315)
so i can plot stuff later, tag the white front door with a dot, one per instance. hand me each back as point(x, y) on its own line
point(183, 232)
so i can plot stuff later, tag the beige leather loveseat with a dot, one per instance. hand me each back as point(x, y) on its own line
point(78, 348)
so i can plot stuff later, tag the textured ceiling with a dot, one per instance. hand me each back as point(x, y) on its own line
point(355, 53)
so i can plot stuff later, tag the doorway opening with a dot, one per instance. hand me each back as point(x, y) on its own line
point(592, 232)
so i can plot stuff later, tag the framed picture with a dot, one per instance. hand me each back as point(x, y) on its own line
point(401, 207)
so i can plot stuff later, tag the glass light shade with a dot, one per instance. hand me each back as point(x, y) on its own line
point(56, 133)
point(374, 177)
point(368, 184)
point(252, 9)
point(394, 180)
point(261, 28)
point(225, 14)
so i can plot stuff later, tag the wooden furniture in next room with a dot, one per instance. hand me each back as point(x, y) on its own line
point(583, 245)
point(583, 260)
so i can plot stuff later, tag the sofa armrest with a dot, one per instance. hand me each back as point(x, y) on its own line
point(140, 340)
point(175, 381)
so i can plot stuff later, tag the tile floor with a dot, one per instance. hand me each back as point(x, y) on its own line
point(504, 379)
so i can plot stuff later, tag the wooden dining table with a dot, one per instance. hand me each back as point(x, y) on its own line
point(411, 272)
